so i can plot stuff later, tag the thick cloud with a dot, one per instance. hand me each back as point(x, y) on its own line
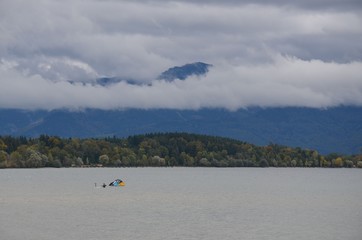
point(285, 82)
point(283, 53)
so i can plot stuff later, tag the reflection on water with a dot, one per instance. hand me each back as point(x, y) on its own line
point(181, 203)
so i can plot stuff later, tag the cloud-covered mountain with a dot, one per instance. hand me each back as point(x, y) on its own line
point(288, 82)
point(173, 73)
point(109, 81)
point(185, 71)
point(337, 129)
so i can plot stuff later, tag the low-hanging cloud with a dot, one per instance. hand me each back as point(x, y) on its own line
point(285, 82)
point(276, 54)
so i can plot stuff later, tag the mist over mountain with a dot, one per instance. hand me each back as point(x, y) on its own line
point(109, 81)
point(337, 129)
point(173, 73)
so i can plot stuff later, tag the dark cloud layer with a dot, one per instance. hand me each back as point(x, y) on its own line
point(309, 4)
point(264, 53)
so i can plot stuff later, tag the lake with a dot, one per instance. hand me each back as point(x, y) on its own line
point(181, 203)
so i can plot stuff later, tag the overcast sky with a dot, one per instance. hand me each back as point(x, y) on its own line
point(278, 53)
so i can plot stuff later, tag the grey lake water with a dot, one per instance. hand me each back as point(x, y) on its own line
point(181, 203)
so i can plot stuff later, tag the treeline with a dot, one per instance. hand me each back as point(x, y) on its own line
point(163, 149)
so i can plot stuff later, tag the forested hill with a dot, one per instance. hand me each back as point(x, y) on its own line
point(167, 149)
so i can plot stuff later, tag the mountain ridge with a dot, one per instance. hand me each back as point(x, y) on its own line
point(336, 129)
point(182, 72)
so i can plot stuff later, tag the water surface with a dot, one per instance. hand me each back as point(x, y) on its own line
point(181, 203)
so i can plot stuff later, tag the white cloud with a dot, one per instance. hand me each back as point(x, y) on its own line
point(44, 44)
point(285, 82)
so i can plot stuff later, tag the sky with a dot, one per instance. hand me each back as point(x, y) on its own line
point(275, 53)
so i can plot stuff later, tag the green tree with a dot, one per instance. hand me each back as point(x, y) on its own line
point(3, 146)
point(293, 163)
point(204, 162)
point(349, 164)
point(186, 159)
point(78, 162)
point(16, 160)
point(158, 161)
point(91, 150)
point(3, 159)
point(263, 163)
point(104, 160)
point(35, 159)
point(359, 164)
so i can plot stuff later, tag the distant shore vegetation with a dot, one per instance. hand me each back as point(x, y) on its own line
point(160, 150)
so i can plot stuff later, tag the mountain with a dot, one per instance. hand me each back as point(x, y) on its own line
point(178, 72)
point(330, 130)
point(107, 81)
point(182, 72)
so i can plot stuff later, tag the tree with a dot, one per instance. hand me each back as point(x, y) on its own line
point(274, 163)
point(16, 160)
point(117, 163)
point(78, 162)
point(91, 150)
point(3, 159)
point(293, 163)
point(170, 149)
point(35, 159)
point(3, 146)
point(158, 161)
point(186, 159)
point(349, 163)
point(104, 160)
point(55, 163)
point(359, 164)
point(338, 162)
point(263, 163)
point(204, 162)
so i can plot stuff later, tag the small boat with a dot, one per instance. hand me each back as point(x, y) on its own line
point(117, 183)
